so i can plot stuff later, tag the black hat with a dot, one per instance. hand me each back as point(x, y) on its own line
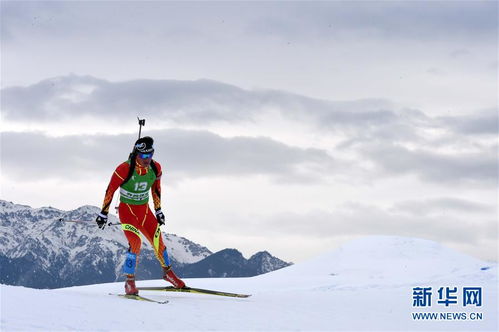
point(144, 145)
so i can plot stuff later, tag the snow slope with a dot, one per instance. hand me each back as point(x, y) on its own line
point(365, 285)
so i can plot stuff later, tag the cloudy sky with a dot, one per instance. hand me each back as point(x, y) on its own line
point(286, 126)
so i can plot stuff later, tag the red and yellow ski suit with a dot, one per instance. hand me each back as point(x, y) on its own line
point(137, 217)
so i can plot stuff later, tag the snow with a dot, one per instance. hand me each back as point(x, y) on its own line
point(365, 285)
point(184, 250)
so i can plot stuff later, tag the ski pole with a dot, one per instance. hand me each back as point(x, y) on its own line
point(66, 220)
point(87, 221)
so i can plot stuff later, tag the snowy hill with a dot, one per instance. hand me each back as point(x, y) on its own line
point(368, 284)
point(37, 250)
point(386, 261)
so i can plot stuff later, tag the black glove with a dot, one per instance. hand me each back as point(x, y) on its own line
point(101, 220)
point(160, 216)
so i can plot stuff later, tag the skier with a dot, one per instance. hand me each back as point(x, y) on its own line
point(136, 177)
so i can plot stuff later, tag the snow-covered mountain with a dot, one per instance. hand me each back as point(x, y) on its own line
point(38, 250)
point(231, 263)
point(366, 285)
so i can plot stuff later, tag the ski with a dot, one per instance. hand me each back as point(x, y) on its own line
point(193, 290)
point(139, 298)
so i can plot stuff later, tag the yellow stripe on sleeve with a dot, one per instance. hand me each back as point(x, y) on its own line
point(118, 175)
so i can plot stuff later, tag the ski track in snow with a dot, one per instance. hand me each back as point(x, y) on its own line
point(365, 285)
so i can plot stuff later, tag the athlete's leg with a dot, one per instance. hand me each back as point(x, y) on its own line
point(151, 230)
point(130, 217)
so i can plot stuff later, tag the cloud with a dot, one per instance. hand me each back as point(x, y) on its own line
point(457, 168)
point(484, 122)
point(358, 219)
point(207, 101)
point(74, 96)
point(380, 20)
point(201, 102)
point(306, 21)
point(184, 153)
point(477, 237)
point(395, 141)
point(443, 206)
point(198, 102)
point(16, 16)
point(203, 153)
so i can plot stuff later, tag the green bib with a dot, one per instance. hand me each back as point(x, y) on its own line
point(136, 190)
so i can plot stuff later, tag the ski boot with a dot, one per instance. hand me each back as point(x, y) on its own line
point(130, 288)
point(170, 276)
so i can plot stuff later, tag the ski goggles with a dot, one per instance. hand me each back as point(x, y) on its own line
point(145, 155)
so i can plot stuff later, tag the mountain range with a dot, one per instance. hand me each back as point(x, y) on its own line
point(39, 248)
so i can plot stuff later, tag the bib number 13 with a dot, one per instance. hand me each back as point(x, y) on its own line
point(141, 186)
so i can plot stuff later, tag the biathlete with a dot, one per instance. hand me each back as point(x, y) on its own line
point(135, 177)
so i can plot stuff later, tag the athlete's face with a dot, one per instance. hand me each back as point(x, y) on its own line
point(144, 159)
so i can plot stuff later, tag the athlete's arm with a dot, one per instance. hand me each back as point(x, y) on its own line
point(156, 188)
point(117, 179)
